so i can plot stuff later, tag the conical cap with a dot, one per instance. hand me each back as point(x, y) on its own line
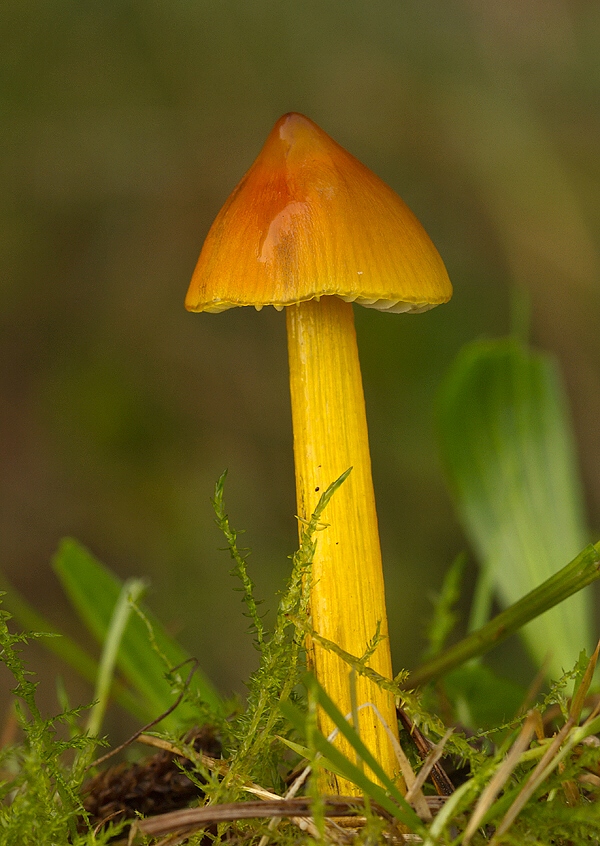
point(309, 220)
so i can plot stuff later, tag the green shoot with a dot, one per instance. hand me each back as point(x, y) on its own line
point(578, 574)
point(132, 590)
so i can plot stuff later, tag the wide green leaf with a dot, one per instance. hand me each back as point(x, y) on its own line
point(68, 650)
point(482, 699)
point(508, 449)
point(94, 590)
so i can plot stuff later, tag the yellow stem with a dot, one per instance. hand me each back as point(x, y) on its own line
point(330, 435)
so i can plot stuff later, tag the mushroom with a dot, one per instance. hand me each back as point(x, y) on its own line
point(311, 228)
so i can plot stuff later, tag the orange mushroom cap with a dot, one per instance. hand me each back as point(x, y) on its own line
point(309, 220)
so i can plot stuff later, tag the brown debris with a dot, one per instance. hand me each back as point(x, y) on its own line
point(154, 786)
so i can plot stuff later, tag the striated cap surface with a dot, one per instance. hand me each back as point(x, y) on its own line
point(309, 220)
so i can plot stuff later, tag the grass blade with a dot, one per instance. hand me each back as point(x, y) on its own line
point(94, 592)
point(508, 449)
point(132, 590)
point(578, 574)
point(389, 798)
point(65, 648)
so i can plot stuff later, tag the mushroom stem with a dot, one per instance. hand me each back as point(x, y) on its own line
point(330, 435)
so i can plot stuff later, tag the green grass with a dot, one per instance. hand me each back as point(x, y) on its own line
point(530, 769)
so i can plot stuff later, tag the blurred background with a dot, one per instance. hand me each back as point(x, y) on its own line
point(124, 127)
